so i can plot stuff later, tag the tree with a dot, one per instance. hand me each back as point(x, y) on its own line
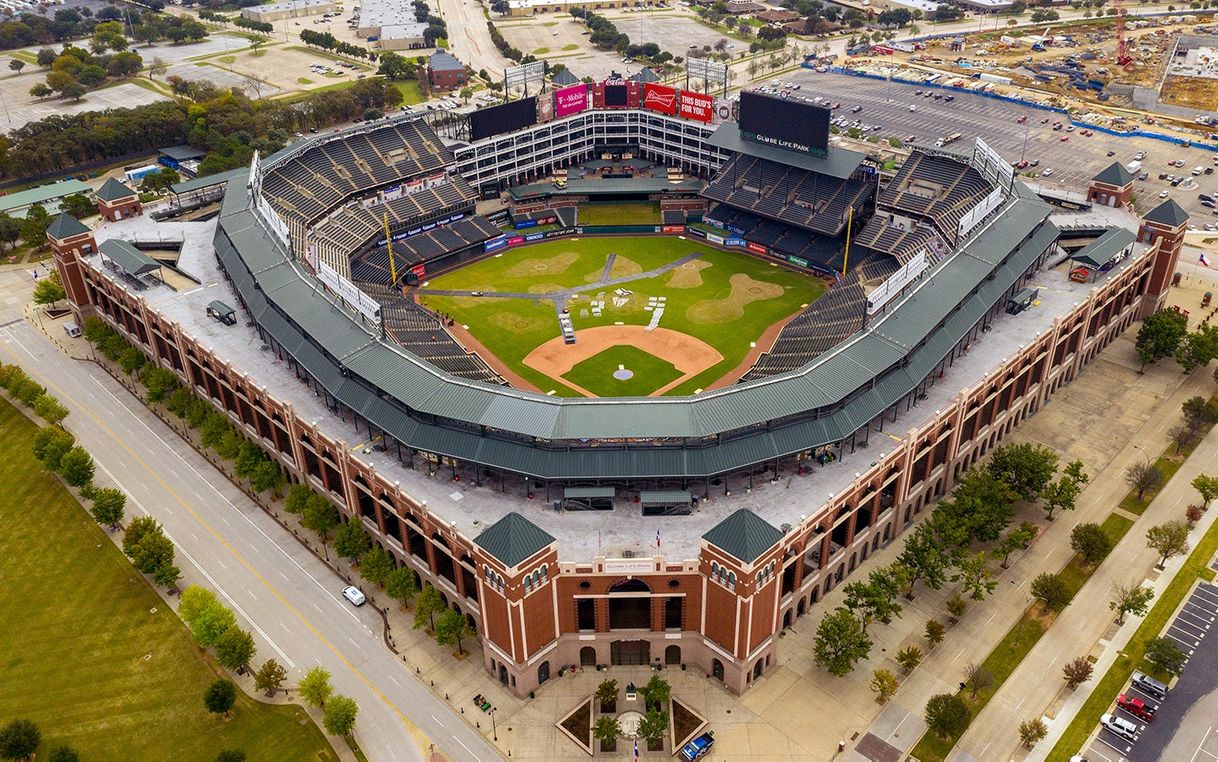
point(653, 726)
point(934, 632)
point(1026, 468)
point(1031, 732)
point(16, 65)
point(157, 68)
point(875, 599)
point(606, 696)
point(321, 516)
point(1130, 599)
point(167, 576)
point(34, 227)
point(884, 684)
point(909, 657)
point(978, 678)
point(235, 649)
point(207, 617)
point(1197, 348)
point(466, 94)
point(297, 499)
point(956, 606)
point(108, 505)
point(139, 528)
point(656, 693)
point(1050, 590)
point(1193, 514)
point(451, 628)
point(930, 550)
point(1165, 655)
point(606, 730)
point(339, 715)
point(1160, 334)
point(376, 566)
point(41, 91)
point(400, 584)
point(947, 715)
point(64, 754)
point(1199, 412)
point(266, 476)
point(50, 445)
point(194, 601)
point(1065, 491)
point(1168, 539)
point(840, 642)
point(1077, 671)
point(154, 551)
point(220, 696)
point(1144, 476)
point(50, 409)
point(1091, 541)
point(1017, 539)
point(974, 576)
point(49, 291)
point(270, 677)
point(351, 541)
point(76, 467)
point(315, 687)
point(1207, 487)
point(19, 739)
point(427, 604)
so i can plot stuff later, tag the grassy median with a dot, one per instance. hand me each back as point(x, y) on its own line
point(92, 654)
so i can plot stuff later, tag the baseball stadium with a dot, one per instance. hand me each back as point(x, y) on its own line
point(655, 352)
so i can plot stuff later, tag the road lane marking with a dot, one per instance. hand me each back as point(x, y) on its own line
point(420, 738)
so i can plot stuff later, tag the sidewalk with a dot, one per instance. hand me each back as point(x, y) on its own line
point(1093, 420)
point(1037, 683)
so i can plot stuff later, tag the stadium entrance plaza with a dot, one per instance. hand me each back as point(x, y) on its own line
point(795, 711)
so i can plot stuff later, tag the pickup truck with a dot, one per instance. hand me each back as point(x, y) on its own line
point(1137, 707)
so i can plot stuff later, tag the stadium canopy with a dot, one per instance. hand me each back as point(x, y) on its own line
point(128, 258)
point(588, 498)
point(1102, 250)
point(840, 163)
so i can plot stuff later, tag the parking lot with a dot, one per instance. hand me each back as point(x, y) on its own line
point(1073, 161)
point(1173, 721)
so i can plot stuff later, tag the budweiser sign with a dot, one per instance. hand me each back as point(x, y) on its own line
point(660, 98)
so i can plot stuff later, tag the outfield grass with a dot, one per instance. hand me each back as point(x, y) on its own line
point(93, 655)
point(596, 373)
point(641, 213)
point(699, 298)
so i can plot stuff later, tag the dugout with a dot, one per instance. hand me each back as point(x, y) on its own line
point(588, 498)
point(666, 502)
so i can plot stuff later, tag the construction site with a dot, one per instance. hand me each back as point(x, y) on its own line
point(1109, 69)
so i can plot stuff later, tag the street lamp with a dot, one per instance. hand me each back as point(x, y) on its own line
point(494, 727)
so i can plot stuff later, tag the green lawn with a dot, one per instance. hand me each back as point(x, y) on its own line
point(596, 373)
point(1018, 641)
point(410, 91)
point(640, 213)
point(1130, 658)
point(701, 298)
point(93, 655)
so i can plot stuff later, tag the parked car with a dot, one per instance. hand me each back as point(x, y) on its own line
point(1023, 118)
point(698, 748)
point(1047, 172)
point(1137, 707)
point(1149, 685)
point(354, 594)
point(1122, 727)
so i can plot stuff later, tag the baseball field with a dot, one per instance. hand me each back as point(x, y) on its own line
point(650, 315)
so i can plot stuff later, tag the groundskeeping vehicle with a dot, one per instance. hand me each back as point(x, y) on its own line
point(698, 748)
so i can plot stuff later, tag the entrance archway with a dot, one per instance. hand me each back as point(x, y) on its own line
point(587, 656)
point(543, 672)
point(717, 669)
point(629, 652)
point(672, 655)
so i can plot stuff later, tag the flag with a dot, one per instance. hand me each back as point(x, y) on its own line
point(1205, 262)
point(636, 748)
point(657, 539)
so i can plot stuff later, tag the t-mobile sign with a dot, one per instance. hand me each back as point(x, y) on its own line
point(570, 100)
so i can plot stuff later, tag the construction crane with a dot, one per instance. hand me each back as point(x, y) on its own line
point(1122, 58)
point(393, 270)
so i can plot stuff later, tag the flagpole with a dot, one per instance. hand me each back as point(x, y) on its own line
point(849, 224)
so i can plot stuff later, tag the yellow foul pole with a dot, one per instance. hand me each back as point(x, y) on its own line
point(846, 258)
point(393, 270)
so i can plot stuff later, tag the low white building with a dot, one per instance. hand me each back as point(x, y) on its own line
point(288, 9)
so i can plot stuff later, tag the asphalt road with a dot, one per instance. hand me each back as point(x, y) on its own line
point(1074, 161)
point(288, 599)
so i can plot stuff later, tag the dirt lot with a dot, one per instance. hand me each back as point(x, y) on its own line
point(1191, 92)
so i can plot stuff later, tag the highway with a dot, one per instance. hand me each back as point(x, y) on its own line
point(288, 599)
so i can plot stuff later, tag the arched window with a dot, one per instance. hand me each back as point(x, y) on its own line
point(714, 569)
point(731, 580)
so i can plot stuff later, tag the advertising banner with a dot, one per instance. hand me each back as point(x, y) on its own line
point(699, 233)
point(545, 108)
point(737, 230)
point(570, 100)
point(660, 98)
point(557, 233)
point(672, 229)
point(715, 239)
point(515, 240)
point(526, 223)
point(495, 243)
point(534, 236)
point(419, 271)
point(725, 110)
point(733, 241)
point(756, 248)
point(797, 260)
point(696, 106)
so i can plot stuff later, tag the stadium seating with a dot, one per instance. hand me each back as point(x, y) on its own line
point(373, 265)
point(422, 334)
point(938, 189)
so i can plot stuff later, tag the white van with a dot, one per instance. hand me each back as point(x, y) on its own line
point(72, 330)
point(354, 594)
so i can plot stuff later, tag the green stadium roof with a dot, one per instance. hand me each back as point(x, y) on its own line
point(743, 535)
point(513, 539)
